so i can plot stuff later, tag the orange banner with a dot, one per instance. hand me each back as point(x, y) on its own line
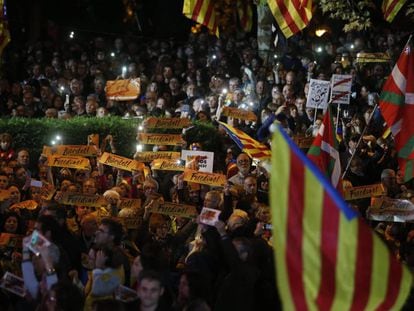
point(122, 163)
point(83, 200)
point(130, 203)
point(173, 209)
point(168, 165)
point(149, 156)
point(160, 139)
point(361, 192)
point(204, 178)
point(237, 113)
point(68, 161)
point(76, 150)
point(123, 90)
point(48, 150)
point(167, 123)
point(29, 204)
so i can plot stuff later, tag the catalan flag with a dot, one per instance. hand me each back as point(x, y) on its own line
point(324, 150)
point(202, 12)
point(327, 258)
point(251, 147)
point(397, 108)
point(245, 14)
point(291, 15)
point(4, 29)
point(390, 8)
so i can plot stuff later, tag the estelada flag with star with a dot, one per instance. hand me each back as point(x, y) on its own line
point(397, 108)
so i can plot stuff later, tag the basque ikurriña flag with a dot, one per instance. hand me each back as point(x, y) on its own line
point(324, 150)
point(326, 257)
point(397, 108)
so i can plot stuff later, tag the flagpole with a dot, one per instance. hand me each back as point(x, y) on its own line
point(337, 118)
point(359, 141)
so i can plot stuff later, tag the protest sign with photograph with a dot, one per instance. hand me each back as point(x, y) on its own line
point(13, 284)
point(318, 94)
point(36, 242)
point(205, 159)
point(209, 216)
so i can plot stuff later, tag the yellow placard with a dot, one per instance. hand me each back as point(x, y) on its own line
point(130, 203)
point(117, 161)
point(47, 150)
point(29, 204)
point(160, 139)
point(131, 222)
point(364, 57)
point(303, 142)
point(93, 140)
point(167, 123)
point(167, 165)
point(82, 200)
point(173, 209)
point(149, 156)
point(204, 178)
point(237, 113)
point(361, 192)
point(68, 161)
point(122, 90)
point(76, 150)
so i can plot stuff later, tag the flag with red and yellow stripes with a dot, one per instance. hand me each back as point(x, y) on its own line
point(327, 258)
point(250, 146)
point(291, 15)
point(245, 14)
point(202, 12)
point(4, 29)
point(390, 8)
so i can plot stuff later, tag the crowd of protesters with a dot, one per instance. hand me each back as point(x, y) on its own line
point(177, 263)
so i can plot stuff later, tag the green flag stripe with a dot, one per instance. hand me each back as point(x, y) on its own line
point(408, 148)
point(392, 98)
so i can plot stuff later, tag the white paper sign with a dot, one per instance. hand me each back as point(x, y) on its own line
point(209, 216)
point(341, 89)
point(205, 159)
point(318, 94)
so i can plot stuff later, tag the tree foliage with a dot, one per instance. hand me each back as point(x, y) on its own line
point(356, 14)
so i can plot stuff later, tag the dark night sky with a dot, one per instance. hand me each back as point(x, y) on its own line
point(160, 18)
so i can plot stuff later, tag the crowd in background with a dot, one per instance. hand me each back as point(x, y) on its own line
point(176, 263)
